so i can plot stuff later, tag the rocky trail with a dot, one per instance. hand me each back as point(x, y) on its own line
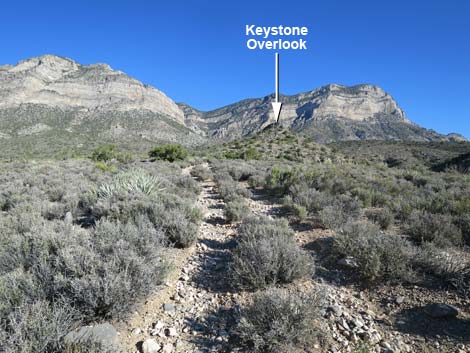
point(195, 315)
point(195, 312)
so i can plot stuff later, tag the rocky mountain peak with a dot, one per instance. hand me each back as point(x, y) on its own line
point(60, 82)
point(329, 113)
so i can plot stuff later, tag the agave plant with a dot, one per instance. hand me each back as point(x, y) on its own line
point(132, 180)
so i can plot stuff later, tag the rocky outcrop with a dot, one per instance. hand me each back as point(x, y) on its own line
point(62, 83)
point(53, 105)
point(329, 113)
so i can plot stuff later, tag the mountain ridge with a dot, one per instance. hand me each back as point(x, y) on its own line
point(54, 103)
point(329, 113)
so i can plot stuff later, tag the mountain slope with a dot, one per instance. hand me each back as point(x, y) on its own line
point(330, 113)
point(55, 103)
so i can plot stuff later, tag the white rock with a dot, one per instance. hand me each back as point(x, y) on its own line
point(150, 346)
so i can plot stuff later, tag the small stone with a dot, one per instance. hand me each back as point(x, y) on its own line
point(335, 309)
point(441, 311)
point(68, 218)
point(150, 346)
point(103, 334)
point(137, 331)
point(184, 277)
point(158, 325)
point(347, 262)
point(399, 300)
point(358, 323)
point(168, 308)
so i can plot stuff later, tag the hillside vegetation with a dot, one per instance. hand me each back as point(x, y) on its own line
point(290, 245)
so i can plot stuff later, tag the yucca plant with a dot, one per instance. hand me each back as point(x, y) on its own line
point(132, 180)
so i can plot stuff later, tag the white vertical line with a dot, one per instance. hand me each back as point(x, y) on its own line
point(277, 77)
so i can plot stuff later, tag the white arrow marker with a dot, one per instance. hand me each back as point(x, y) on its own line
point(276, 104)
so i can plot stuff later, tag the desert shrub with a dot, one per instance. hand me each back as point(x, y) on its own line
point(257, 178)
point(297, 210)
point(100, 273)
point(450, 265)
point(37, 327)
point(180, 223)
point(378, 256)
point(264, 226)
point(222, 176)
point(178, 218)
point(235, 210)
point(463, 223)
point(266, 254)
point(187, 187)
point(104, 167)
point(170, 152)
point(372, 198)
point(237, 170)
point(48, 268)
point(280, 180)
point(230, 190)
point(343, 209)
point(278, 321)
point(201, 172)
point(422, 226)
point(132, 180)
point(104, 153)
point(382, 217)
point(251, 153)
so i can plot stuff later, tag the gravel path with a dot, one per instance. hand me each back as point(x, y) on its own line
point(198, 315)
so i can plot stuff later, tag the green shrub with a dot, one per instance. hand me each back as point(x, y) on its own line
point(235, 210)
point(378, 256)
point(105, 167)
point(342, 210)
point(170, 152)
point(230, 190)
point(300, 212)
point(422, 226)
point(451, 266)
point(278, 321)
point(280, 180)
point(382, 217)
point(251, 153)
point(104, 153)
point(187, 186)
point(463, 223)
point(201, 172)
point(267, 254)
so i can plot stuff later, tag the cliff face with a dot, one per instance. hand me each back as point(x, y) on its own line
point(329, 113)
point(50, 104)
point(62, 83)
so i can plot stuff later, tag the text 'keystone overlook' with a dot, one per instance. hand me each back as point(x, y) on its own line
point(265, 33)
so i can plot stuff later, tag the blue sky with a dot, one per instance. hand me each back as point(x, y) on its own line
point(194, 51)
